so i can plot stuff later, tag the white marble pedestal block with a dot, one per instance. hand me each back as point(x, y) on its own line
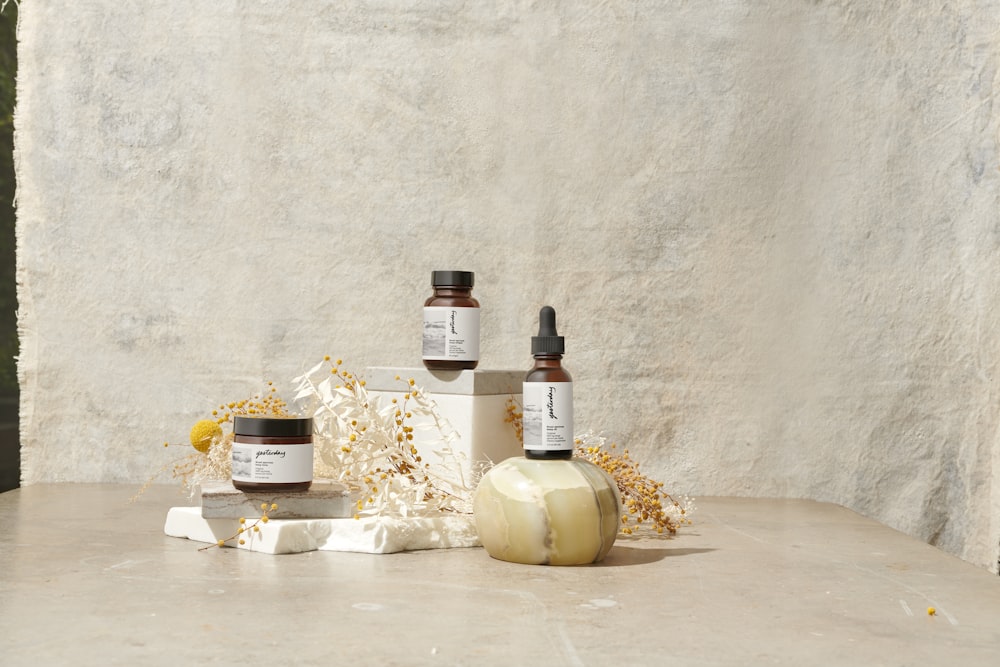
point(473, 403)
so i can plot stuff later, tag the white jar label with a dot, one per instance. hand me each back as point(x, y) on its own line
point(548, 415)
point(451, 334)
point(272, 464)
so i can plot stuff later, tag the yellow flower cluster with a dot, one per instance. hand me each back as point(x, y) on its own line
point(515, 417)
point(268, 404)
point(642, 498)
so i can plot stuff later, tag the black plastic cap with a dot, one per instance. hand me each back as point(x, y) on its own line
point(452, 278)
point(273, 427)
point(547, 341)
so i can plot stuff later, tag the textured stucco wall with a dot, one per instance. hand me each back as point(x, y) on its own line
point(770, 229)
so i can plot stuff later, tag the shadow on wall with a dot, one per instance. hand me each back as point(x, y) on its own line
point(10, 455)
point(10, 451)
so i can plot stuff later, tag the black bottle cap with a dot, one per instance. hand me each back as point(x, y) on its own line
point(452, 278)
point(547, 341)
point(273, 427)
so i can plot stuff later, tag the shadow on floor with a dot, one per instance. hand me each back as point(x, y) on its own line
point(622, 555)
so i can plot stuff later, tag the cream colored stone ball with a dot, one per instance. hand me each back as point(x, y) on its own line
point(561, 512)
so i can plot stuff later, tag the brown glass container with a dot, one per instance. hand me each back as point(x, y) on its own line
point(452, 289)
point(272, 454)
point(547, 348)
point(548, 368)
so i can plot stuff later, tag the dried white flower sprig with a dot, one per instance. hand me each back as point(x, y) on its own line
point(367, 442)
point(361, 440)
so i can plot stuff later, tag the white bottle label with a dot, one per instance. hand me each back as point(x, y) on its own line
point(451, 334)
point(272, 464)
point(548, 415)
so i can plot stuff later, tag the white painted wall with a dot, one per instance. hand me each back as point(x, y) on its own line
point(770, 229)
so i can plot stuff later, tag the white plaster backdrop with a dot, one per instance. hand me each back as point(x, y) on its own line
point(770, 229)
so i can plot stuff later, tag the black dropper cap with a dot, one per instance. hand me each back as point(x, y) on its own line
point(547, 341)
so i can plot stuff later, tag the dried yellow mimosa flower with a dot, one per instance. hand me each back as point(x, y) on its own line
point(204, 434)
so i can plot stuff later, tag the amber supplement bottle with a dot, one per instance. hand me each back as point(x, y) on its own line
point(272, 453)
point(548, 395)
point(451, 322)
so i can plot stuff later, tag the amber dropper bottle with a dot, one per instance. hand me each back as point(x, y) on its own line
point(548, 395)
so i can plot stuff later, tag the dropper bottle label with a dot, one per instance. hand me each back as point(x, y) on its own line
point(548, 395)
point(548, 415)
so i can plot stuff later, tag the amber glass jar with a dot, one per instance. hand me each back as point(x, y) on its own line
point(451, 322)
point(272, 453)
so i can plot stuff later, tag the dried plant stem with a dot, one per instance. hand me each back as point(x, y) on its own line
point(643, 499)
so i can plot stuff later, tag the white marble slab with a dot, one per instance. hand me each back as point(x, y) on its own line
point(367, 535)
point(325, 499)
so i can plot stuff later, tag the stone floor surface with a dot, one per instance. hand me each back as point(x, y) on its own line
point(86, 578)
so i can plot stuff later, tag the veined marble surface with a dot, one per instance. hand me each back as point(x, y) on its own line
point(325, 499)
point(547, 512)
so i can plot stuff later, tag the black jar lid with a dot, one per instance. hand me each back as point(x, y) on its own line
point(273, 427)
point(452, 278)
